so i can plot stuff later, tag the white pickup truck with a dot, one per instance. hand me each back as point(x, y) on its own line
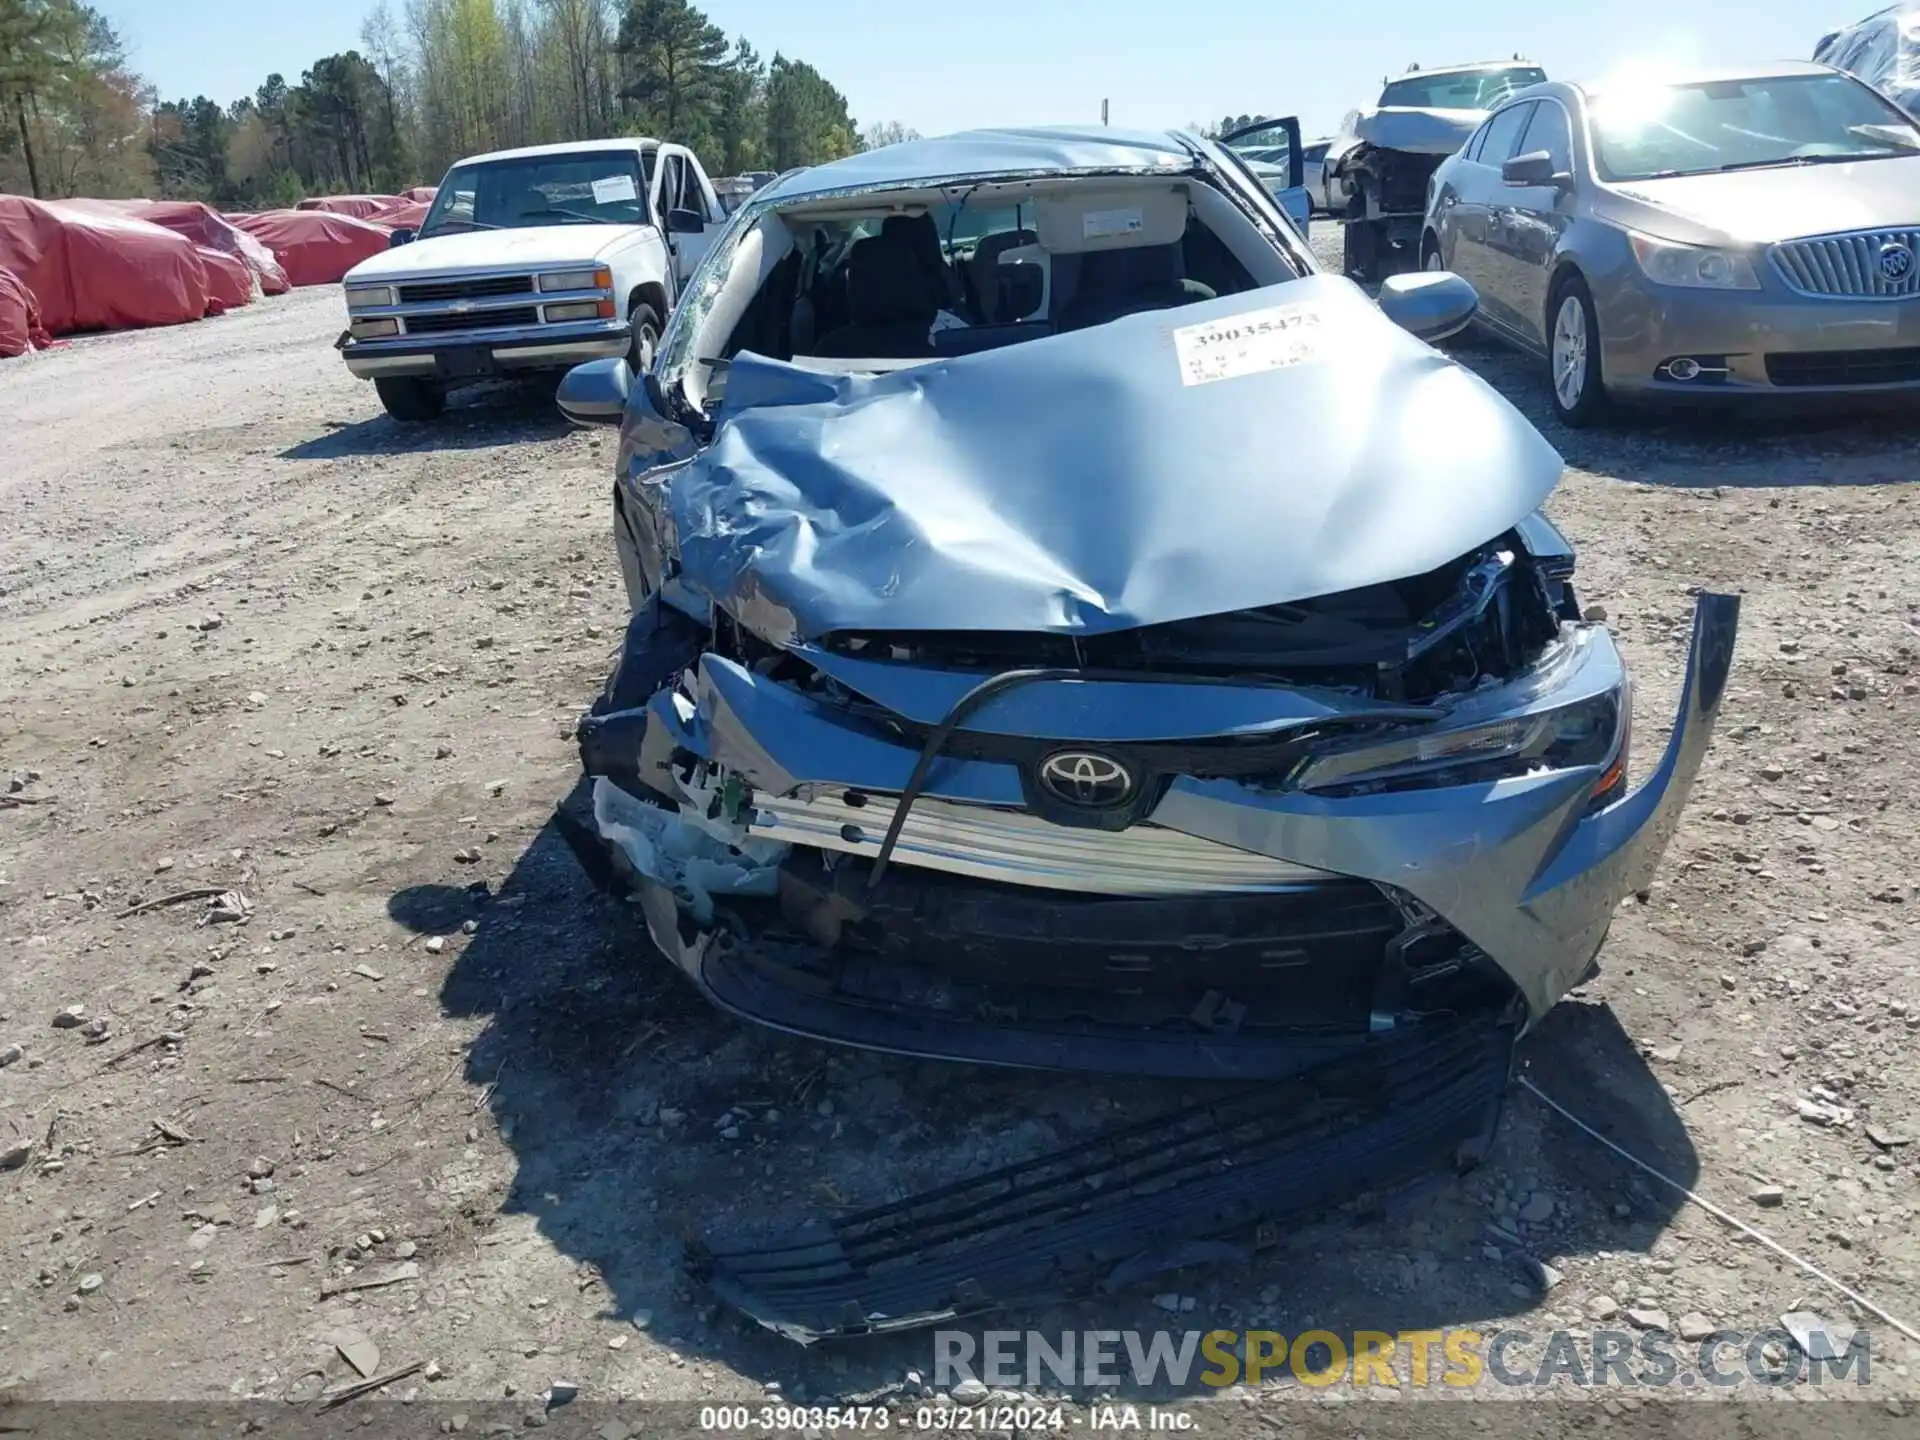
point(530, 260)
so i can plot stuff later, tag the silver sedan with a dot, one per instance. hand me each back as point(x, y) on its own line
point(1731, 235)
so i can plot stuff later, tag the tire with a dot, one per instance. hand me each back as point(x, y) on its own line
point(646, 337)
point(1573, 355)
point(411, 399)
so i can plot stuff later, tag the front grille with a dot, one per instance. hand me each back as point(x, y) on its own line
point(1866, 265)
point(472, 320)
point(1844, 367)
point(1016, 847)
point(480, 288)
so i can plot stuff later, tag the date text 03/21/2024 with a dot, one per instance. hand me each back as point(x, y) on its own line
point(986, 1419)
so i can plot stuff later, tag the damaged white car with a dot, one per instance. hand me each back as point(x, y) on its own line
point(1376, 171)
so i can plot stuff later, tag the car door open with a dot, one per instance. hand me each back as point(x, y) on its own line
point(1273, 151)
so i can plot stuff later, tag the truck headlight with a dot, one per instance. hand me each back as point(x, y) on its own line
point(599, 278)
point(368, 297)
point(376, 327)
point(1588, 732)
point(1696, 267)
point(580, 310)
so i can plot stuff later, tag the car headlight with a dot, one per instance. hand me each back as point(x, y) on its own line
point(1698, 267)
point(365, 297)
point(1588, 732)
point(596, 279)
point(375, 327)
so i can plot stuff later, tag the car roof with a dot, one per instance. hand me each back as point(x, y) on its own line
point(574, 147)
point(1707, 75)
point(974, 154)
point(1514, 64)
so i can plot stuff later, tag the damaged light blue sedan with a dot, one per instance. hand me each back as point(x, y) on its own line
point(1070, 630)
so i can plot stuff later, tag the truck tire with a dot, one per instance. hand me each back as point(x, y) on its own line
point(646, 338)
point(411, 399)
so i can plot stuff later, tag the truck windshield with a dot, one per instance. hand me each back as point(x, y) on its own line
point(1461, 89)
point(1664, 130)
point(590, 187)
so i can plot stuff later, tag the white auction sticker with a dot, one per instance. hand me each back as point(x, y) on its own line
point(614, 187)
point(1098, 224)
point(1248, 344)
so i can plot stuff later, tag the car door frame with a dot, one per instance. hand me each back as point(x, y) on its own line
point(1485, 259)
point(1453, 215)
point(1538, 217)
point(1475, 254)
point(1294, 198)
point(688, 249)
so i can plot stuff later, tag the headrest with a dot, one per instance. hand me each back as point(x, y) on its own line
point(885, 283)
point(917, 232)
point(1082, 220)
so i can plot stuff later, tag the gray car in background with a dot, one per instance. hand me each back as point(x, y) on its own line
point(1726, 236)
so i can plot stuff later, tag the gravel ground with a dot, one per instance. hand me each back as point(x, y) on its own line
point(258, 639)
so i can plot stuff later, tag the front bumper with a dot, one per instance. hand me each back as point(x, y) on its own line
point(532, 347)
point(1769, 344)
point(1262, 930)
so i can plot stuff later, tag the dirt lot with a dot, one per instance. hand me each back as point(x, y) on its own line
point(256, 638)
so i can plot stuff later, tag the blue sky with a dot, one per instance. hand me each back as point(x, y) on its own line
point(944, 66)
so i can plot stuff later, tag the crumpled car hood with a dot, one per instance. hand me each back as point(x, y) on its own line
point(1249, 451)
point(1417, 131)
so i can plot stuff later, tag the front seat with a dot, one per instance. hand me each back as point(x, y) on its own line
point(983, 270)
point(889, 306)
point(1113, 283)
point(921, 237)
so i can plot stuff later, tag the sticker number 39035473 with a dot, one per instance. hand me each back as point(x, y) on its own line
point(1248, 344)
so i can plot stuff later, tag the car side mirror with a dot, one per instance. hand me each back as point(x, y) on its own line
point(1432, 304)
point(1534, 168)
point(596, 393)
point(685, 222)
point(399, 238)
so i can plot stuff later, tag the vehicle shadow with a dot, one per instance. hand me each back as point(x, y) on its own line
point(478, 417)
point(1705, 449)
point(639, 1118)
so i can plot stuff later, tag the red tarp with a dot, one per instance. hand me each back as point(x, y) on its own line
point(203, 225)
point(312, 246)
point(405, 217)
point(229, 281)
point(361, 207)
point(100, 271)
point(421, 194)
point(20, 326)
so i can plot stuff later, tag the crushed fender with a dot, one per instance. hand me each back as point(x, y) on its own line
point(691, 856)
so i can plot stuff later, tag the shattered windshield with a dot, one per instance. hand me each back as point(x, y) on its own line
point(1461, 89)
point(1666, 130)
point(592, 187)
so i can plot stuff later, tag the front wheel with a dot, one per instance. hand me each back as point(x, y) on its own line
point(411, 399)
point(1573, 352)
point(646, 338)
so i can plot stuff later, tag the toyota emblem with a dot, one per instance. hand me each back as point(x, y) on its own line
point(1896, 262)
point(1082, 778)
